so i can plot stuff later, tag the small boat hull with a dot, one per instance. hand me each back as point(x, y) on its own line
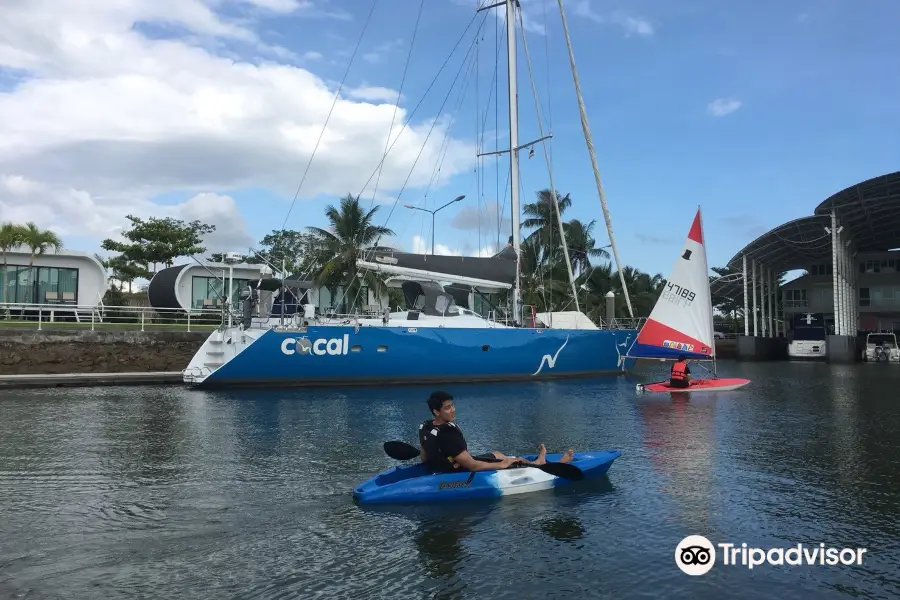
point(697, 385)
point(416, 484)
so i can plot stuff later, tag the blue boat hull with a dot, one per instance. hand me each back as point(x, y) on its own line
point(415, 484)
point(338, 355)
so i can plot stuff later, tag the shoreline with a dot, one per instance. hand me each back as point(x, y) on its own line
point(54, 380)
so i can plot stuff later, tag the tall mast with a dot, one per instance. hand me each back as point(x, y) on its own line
point(513, 145)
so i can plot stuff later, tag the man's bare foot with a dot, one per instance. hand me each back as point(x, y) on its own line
point(542, 456)
point(568, 456)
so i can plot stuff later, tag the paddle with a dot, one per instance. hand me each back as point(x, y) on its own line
point(402, 451)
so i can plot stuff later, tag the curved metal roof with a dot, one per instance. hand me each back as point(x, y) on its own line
point(790, 246)
point(869, 212)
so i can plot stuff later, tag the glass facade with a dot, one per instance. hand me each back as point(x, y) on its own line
point(21, 284)
point(335, 299)
point(209, 292)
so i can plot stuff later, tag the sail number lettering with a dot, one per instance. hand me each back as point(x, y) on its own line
point(676, 294)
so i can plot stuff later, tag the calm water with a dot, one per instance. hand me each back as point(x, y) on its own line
point(168, 493)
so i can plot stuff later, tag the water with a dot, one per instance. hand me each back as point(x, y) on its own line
point(165, 492)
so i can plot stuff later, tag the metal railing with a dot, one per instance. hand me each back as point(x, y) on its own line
point(146, 318)
point(102, 317)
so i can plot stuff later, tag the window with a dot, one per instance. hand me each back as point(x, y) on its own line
point(343, 303)
point(821, 296)
point(485, 303)
point(821, 269)
point(864, 297)
point(886, 265)
point(210, 292)
point(38, 285)
point(795, 299)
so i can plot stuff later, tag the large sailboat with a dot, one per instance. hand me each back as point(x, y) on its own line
point(433, 339)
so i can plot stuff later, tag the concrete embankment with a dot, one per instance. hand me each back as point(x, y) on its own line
point(56, 352)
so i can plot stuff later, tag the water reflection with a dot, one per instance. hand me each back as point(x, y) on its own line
point(563, 529)
point(679, 435)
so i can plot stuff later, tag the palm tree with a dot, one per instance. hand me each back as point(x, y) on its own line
point(543, 278)
point(645, 290)
point(350, 232)
point(541, 216)
point(11, 236)
point(581, 242)
point(38, 241)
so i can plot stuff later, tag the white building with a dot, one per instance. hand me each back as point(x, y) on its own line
point(66, 277)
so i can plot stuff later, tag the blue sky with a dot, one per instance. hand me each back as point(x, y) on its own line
point(807, 106)
point(817, 111)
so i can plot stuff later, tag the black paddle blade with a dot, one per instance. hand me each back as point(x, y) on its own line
point(564, 470)
point(400, 450)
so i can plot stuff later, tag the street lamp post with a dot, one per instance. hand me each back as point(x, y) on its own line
point(457, 199)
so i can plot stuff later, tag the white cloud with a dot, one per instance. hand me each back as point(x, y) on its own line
point(629, 23)
point(102, 118)
point(483, 218)
point(420, 245)
point(312, 55)
point(723, 106)
point(373, 93)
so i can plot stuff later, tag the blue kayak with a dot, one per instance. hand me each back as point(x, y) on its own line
point(417, 484)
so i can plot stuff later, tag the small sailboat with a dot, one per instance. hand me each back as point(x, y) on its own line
point(681, 323)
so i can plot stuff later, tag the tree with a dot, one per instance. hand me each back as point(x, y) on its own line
point(11, 236)
point(541, 216)
point(350, 231)
point(38, 241)
point(159, 241)
point(299, 251)
point(581, 245)
point(122, 270)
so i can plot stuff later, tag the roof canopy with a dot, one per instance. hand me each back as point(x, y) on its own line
point(869, 212)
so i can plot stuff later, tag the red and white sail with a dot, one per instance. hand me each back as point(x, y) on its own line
point(682, 322)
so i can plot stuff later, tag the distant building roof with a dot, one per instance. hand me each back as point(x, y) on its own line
point(869, 211)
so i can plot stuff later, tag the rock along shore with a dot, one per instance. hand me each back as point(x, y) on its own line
point(60, 351)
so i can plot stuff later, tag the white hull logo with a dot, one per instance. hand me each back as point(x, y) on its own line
point(319, 347)
point(550, 361)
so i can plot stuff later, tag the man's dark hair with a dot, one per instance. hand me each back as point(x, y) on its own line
point(682, 357)
point(436, 400)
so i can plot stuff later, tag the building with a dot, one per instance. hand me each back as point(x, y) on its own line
point(849, 250)
point(877, 298)
point(200, 287)
point(65, 277)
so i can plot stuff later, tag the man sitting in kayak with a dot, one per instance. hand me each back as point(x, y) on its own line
point(444, 448)
point(680, 377)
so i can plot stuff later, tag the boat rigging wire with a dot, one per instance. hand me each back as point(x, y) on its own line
point(543, 142)
point(590, 145)
point(337, 96)
point(387, 140)
point(421, 100)
point(433, 124)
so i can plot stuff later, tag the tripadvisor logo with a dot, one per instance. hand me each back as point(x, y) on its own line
point(696, 555)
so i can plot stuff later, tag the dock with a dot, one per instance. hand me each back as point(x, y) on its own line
point(89, 379)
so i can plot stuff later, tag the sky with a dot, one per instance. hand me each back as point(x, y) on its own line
point(211, 110)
